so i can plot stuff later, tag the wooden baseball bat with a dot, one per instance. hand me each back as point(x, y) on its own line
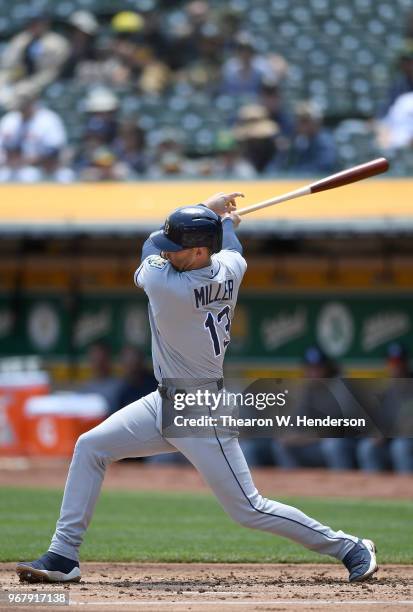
point(352, 175)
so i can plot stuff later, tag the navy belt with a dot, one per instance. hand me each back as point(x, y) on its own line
point(169, 392)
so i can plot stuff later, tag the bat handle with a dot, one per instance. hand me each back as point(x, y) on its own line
point(297, 193)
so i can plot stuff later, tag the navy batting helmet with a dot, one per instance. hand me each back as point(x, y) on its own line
point(188, 227)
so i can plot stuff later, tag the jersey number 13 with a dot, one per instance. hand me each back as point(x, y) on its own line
point(211, 324)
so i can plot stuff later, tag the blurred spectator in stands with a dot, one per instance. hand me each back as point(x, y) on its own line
point(204, 70)
point(13, 169)
point(168, 157)
point(229, 20)
point(133, 59)
point(126, 27)
point(398, 361)
point(402, 82)
point(185, 33)
point(102, 380)
point(52, 168)
point(91, 142)
point(228, 161)
point(312, 149)
point(256, 134)
point(245, 70)
point(97, 71)
point(271, 99)
point(31, 129)
point(83, 29)
point(154, 35)
point(171, 164)
point(100, 132)
point(101, 106)
point(124, 57)
point(396, 415)
point(32, 59)
point(49, 168)
point(130, 146)
point(136, 379)
point(324, 394)
point(395, 129)
point(104, 165)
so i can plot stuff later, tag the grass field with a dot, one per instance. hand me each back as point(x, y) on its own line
point(143, 526)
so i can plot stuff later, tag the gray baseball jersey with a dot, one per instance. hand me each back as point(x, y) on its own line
point(190, 314)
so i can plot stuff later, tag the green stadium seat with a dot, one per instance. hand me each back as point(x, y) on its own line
point(344, 13)
point(306, 43)
point(320, 8)
point(376, 27)
point(364, 7)
point(288, 30)
point(301, 14)
point(64, 9)
point(279, 7)
point(130, 104)
point(147, 122)
point(258, 16)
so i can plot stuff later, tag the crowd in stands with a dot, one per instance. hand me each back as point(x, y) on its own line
point(323, 391)
point(101, 97)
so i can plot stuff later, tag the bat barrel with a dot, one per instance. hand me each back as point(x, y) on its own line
point(352, 175)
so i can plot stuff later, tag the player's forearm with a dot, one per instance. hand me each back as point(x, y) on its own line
point(230, 241)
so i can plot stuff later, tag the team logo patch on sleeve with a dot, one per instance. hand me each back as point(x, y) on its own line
point(156, 261)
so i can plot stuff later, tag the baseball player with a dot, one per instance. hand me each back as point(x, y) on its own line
point(195, 254)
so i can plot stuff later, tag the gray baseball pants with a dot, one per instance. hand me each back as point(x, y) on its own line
point(135, 431)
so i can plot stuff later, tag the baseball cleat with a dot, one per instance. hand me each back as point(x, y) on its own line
point(361, 561)
point(49, 568)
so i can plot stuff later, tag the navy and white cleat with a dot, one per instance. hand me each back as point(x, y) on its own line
point(49, 568)
point(361, 561)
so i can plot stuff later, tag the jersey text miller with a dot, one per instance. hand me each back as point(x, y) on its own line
point(214, 292)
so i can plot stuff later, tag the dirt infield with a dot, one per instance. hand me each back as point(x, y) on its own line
point(191, 587)
point(138, 476)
